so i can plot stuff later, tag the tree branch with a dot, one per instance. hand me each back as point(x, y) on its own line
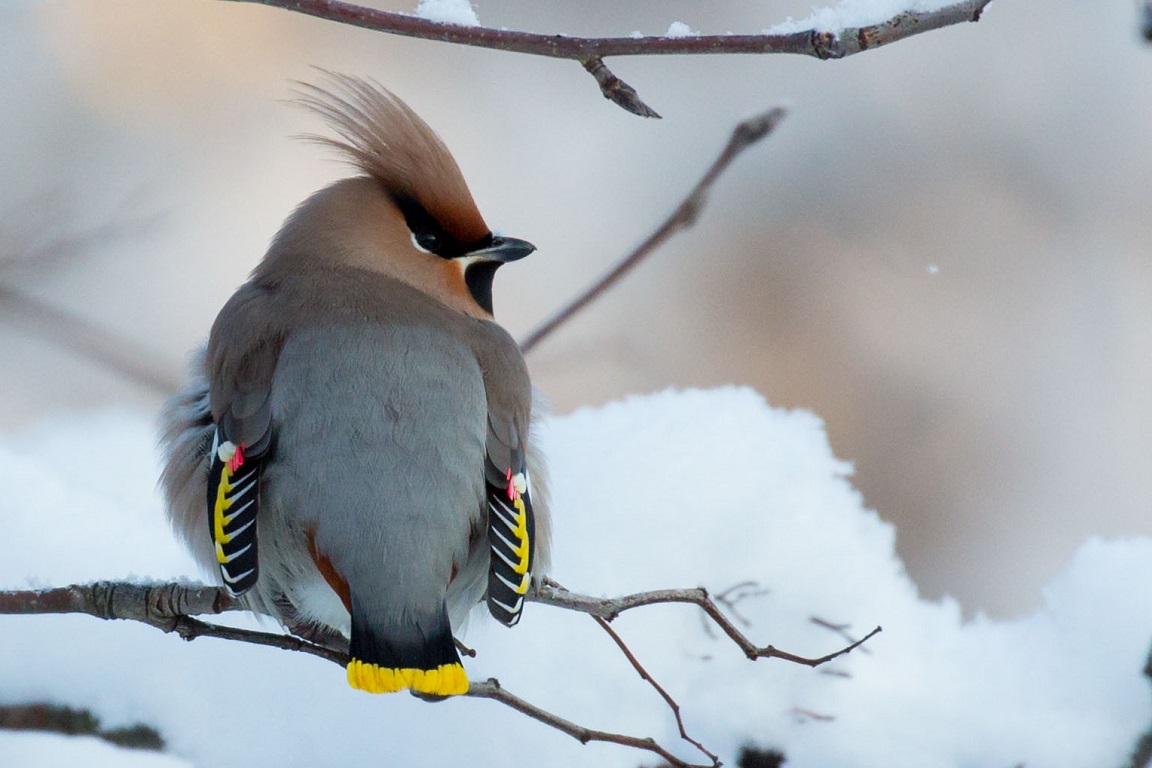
point(616, 90)
point(823, 45)
point(645, 675)
point(491, 689)
point(684, 216)
point(608, 608)
point(170, 608)
point(156, 604)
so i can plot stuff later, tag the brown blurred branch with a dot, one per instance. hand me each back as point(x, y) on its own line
point(42, 716)
point(171, 607)
point(839, 629)
point(78, 335)
point(1142, 753)
point(684, 216)
point(823, 45)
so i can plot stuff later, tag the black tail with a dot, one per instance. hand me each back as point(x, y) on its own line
point(420, 655)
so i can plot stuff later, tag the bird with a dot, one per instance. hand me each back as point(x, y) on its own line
point(353, 448)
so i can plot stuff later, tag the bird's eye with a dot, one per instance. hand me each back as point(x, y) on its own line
point(426, 241)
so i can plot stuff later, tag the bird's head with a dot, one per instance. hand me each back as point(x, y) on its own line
point(410, 215)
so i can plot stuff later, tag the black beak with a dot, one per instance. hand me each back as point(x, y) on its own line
point(504, 249)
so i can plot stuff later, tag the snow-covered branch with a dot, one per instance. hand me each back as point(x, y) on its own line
point(590, 51)
point(171, 607)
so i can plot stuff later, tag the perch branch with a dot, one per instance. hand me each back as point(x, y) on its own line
point(171, 607)
point(809, 42)
point(168, 607)
point(684, 216)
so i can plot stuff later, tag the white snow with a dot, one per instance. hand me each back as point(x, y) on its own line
point(851, 14)
point(679, 29)
point(671, 489)
point(29, 749)
point(458, 12)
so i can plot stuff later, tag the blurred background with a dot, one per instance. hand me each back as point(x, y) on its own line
point(944, 251)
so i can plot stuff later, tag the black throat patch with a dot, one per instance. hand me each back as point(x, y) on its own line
point(478, 277)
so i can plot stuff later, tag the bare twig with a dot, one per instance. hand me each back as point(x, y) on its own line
point(609, 608)
point(823, 45)
point(616, 90)
point(491, 689)
point(802, 714)
point(736, 593)
point(464, 650)
point(729, 598)
point(684, 216)
point(190, 629)
point(839, 629)
point(644, 675)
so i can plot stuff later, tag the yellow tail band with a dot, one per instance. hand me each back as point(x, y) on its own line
point(445, 680)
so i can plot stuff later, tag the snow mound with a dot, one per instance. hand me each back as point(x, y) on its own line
point(675, 489)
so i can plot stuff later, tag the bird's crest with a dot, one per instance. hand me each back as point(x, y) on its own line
point(382, 137)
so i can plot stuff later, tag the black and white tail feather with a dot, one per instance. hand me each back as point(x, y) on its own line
point(233, 504)
point(512, 537)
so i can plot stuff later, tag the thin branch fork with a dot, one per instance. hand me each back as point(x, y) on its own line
point(591, 51)
point(647, 677)
point(744, 135)
point(491, 689)
point(608, 608)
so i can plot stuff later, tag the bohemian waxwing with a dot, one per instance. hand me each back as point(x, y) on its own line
point(352, 450)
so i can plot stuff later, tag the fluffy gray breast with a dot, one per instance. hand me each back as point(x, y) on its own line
point(380, 432)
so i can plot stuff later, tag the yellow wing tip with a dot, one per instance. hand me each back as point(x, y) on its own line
point(445, 680)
